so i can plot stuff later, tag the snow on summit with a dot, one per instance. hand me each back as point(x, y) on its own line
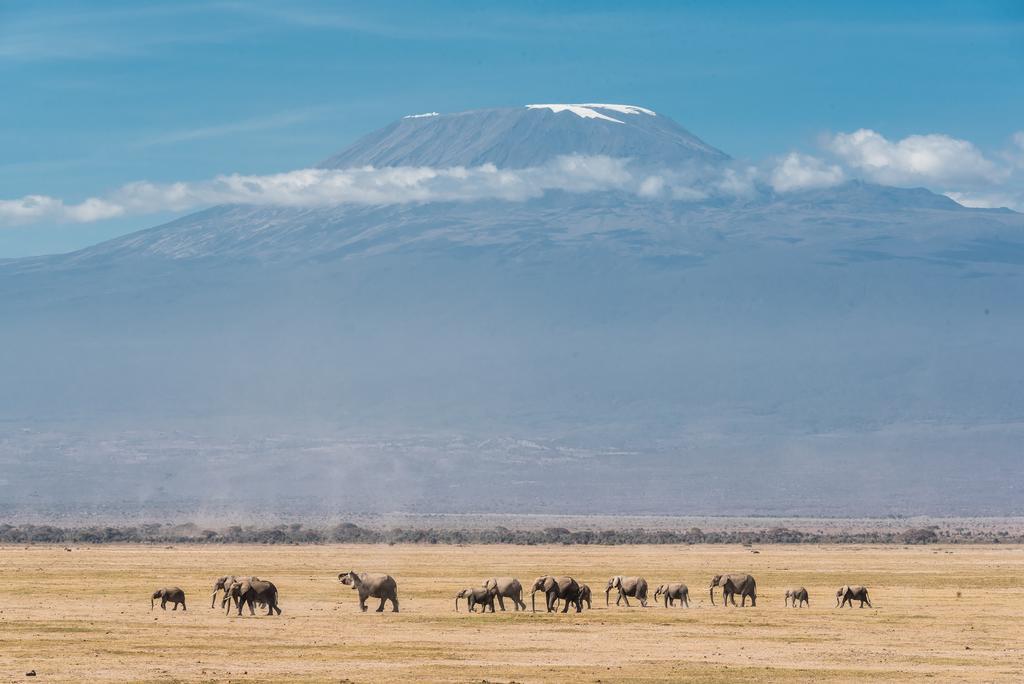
point(587, 110)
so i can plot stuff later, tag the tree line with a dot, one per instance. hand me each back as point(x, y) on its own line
point(350, 533)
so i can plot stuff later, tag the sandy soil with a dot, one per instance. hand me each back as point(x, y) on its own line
point(946, 613)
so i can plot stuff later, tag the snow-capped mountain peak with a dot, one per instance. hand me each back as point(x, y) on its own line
point(588, 110)
point(531, 135)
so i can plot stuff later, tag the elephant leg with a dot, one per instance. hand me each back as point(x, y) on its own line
point(183, 606)
point(501, 602)
point(380, 608)
point(622, 595)
point(394, 603)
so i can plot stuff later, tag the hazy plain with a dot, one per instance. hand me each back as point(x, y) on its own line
point(948, 613)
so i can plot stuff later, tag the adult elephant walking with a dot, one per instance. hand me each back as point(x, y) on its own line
point(222, 584)
point(372, 585)
point(506, 587)
point(251, 591)
point(168, 595)
point(744, 585)
point(627, 586)
point(848, 594)
point(557, 588)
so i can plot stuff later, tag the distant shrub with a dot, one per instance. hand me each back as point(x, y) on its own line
point(350, 533)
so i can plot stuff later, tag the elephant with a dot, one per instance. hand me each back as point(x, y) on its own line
point(744, 585)
point(168, 595)
point(224, 584)
point(370, 585)
point(555, 588)
point(221, 584)
point(671, 592)
point(627, 586)
point(477, 595)
point(506, 587)
point(798, 597)
point(250, 591)
point(848, 594)
point(585, 595)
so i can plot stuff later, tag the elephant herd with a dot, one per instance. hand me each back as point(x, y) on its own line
point(241, 591)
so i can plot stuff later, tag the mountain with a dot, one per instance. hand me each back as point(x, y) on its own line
point(528, 136)
point(841, 351)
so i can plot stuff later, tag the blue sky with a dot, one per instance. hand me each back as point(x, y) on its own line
point(100, 95)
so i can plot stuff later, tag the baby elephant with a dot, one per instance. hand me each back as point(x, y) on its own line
point(371, 585)
point(168, 595)
point(476, 596)
point(848, 594)
point(671, 592)
point(798, 597)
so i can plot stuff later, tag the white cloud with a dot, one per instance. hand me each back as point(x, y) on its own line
point(325, 187)
point(916, 159)
point(799, 171)
point(987, 200)
point(652, 186)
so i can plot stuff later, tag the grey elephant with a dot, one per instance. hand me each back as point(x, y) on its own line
point(848, 594)
point(585, 595)
point(506, 587)
point(797, 597)
point(370, 585)
point(671, 593)
point(744, 585)
point(251, 591)
point(168, 595)
point(474, 596)
point(224, 584)
point(221, 584)
point(557, 588)
point(627, 586)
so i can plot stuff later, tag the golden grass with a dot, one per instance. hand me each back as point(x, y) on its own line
point(84, 616)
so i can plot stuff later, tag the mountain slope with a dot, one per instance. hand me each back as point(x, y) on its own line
point(850, 350)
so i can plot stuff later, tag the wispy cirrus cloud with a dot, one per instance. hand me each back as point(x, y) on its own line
point(273, 121)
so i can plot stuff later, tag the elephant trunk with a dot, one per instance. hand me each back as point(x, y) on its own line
point(152, 602)
point(712, 594)
point(606, 592)
point(533, 601)
point(456, 604)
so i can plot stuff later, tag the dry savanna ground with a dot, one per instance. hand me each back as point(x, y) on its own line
point(952, 613)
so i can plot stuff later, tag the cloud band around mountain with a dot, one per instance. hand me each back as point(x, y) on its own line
point(944, 164)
